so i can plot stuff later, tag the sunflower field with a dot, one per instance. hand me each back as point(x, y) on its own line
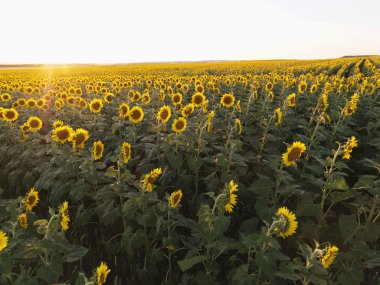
point(250, 172)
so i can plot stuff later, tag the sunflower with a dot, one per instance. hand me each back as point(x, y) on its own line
point(293, 153)
point(286, 223)
point(6, 97)
point(58, 123)
point(126, 152)
point(31, 103)
point(71, 100)
point(325, 101)
point(210, 118)
point(31, 199)
point(164, 114)
point(22, 102)
point(352, 105)
point(239, 126)
point(349, 146)
point(136, 114)
point(58, 104)
point(177, 98)
point(227, 100)
point(79, 138)
point(199, 88)
point(205, 107)
point(62, 134)
point(175, 198)
point(291, 100)
point(198, 99)
point(3, 240)
point(146, 98)
point(96, 105)
point(302, 87)
point(109, 98)
point(231, 197)
point(65, 219)
point(101, 272)
point(187, 110)
point(277, 117)
point(238, 106)
point(269, 86)
point(10, 115)
point(97, 150)
point(313, 88)
point(179, 125)
point(34, 123)
point(329, 256)
point(123, 110)
point(150, 179)
point(23, 221)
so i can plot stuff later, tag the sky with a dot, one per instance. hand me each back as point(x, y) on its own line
point(113, 31)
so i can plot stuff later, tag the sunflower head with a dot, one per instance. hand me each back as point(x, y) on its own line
point(31, 199)
point(302, 87)
point(23, 221)
point(187, 110)
point(277, 117)
point(179, 125)
point(96, 105)
point(108, 98)
point(285, 223)
point(10, 115)
point(136, 114)
point(198, 99)
point(149, 179)
point(177, 98)
point(80, 136)
point(123, 110)
point(126, 152)
point(65, 219)
point(291, 100)
point(227, 100)
point(231, 197)
point(164, 114)
point(34, 124)
point(97, 150)
point(175, 198)
point(3, 240)
point(329, 255)
point(293, 153)
point(102, 272)
point(62, 134)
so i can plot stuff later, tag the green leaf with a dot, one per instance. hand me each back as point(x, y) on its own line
point(190, 262)
point(76, 253)
point(337, 183)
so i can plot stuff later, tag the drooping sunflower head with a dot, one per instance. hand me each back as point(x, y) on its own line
point(102, 272)
point(80, 136)
point(97, 150)
point(164, 114)
point(179, 125)
point(187, 110)
point(198, 99)
point(34, 123)
point(126, 152)
point(96, 105)
point(65, 218)
point(349, 146)
point(3, 240)
point(31, 199)
point(277, 117)
point(285, 223)
point(62, 134)
point(175, 198)
point(123, 110)
point(293, 153)
point(136, 114)
point(329, 255)
point(150, 179)
point(23, 221)
point(10, 115)
point(231, 197)
point(227, 100)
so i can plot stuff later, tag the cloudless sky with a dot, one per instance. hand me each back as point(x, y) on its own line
point(113, 31)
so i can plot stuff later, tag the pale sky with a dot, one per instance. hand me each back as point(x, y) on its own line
point(113, 31)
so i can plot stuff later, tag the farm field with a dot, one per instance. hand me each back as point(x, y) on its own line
point(235, 172)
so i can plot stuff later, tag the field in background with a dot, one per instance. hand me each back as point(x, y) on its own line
point(249, 172)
